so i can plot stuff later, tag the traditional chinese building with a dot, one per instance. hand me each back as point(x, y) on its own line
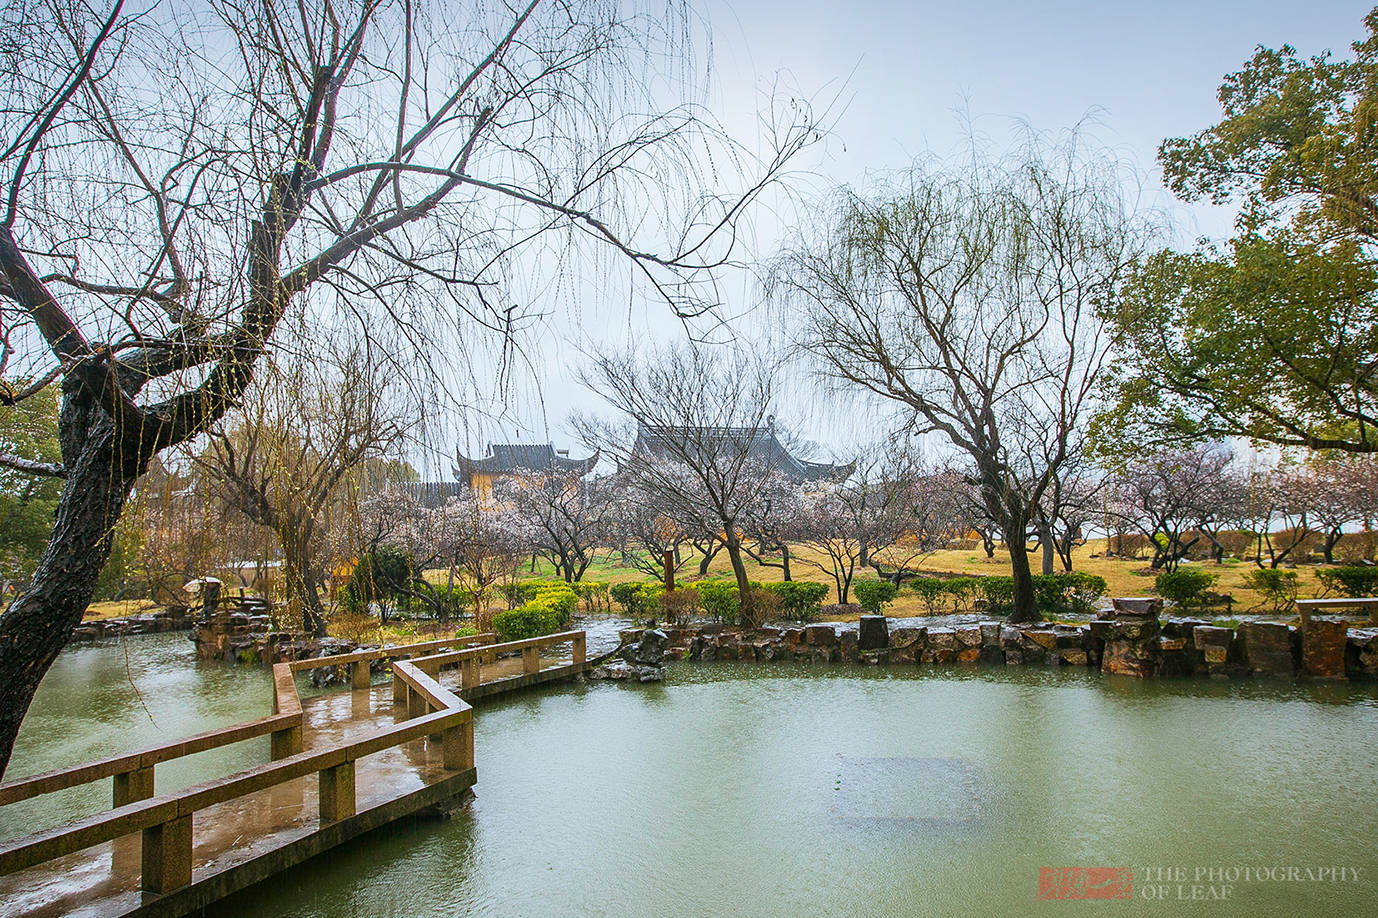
point(762, 444)
point(523, 461)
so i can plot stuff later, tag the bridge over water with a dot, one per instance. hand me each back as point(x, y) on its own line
point(342, 764)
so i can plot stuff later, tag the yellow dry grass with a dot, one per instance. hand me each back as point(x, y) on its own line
point(119, 608)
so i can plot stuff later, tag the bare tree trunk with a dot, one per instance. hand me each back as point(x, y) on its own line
point(39, 623)
point(784, 558)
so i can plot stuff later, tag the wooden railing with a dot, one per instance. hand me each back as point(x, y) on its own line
point(133, 772)
point(165, 821)
point(470, 660)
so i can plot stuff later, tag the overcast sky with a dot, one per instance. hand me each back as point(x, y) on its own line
point(903, 72)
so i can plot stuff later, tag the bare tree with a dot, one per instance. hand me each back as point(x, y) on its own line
point(854, 523)
point(177, 181)
point(971, 300)
point(1070, 503)
point(302, 436)
point(699, 414)
point(772, 523)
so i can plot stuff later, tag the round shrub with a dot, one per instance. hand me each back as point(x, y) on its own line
point(801, 600)
point(874, 595)
point(1183, 586)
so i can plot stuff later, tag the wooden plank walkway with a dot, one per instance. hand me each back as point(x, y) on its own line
point(348, 763)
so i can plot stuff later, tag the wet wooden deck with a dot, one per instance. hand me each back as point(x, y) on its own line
point(249, 838)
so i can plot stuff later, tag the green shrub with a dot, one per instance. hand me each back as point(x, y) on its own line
point(932, 591)
point(964, 592)
point(550, 608)
point(1069, 592)
point(640, 600)
point(800, 601)
point(382, 575)
point(874, 595)
point(526, 621)
point(1185, 587)
point(1278, 588)
point(998, 593)
point(594, 594)
point(719, 599)
point(1350, 581)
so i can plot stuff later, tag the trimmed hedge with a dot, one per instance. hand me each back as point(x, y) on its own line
point(719, 599)
point(549, 609)
point(640, 600)
point(1054, 594)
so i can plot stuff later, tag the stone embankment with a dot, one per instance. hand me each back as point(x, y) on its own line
point(173, 618)
point(1131, 639)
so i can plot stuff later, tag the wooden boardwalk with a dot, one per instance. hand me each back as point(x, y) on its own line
point(344, 763)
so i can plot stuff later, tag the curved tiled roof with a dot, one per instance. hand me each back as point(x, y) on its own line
point(764, 446)
point(513, 458)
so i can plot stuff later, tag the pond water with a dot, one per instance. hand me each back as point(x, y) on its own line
point(792, 790)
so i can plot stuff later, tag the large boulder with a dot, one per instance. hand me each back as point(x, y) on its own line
point(650, 650)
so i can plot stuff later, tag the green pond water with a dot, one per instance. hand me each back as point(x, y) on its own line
point(755, 790)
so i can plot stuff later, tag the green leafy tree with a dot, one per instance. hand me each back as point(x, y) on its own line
point(28, 429)
point(1270, 336)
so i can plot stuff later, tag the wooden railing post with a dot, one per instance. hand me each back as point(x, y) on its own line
point(580, 650)
point(458, 747)
point(417, 706)
point(337, 792)
point(470, 672)
point(132, 786)
point(360, 677)
point(531, 660)
point(286, 743)
point(167, 856)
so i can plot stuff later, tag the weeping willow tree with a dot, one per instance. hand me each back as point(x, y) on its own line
point(180, 180)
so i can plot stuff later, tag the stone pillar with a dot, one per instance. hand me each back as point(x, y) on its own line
point(873, 633)
point(359, 675)
point(531, 660)
point(399, 688)
point(1268, 648)
point(1323, 642)
point(579, 651)
point(337, 792)
point(132, 786)
point(167, 856)
point(1131, 640)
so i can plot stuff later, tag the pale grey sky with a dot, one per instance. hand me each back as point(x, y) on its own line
point(903, 73)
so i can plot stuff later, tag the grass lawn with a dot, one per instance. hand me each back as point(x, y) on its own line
point(1123, 577)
